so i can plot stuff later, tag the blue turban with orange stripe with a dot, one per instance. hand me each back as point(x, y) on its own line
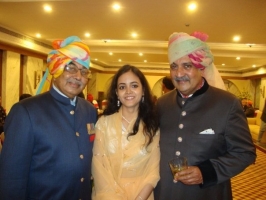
point(65, 51)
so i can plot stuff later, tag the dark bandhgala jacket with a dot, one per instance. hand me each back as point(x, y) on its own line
point(210, 129)
point(47, 150)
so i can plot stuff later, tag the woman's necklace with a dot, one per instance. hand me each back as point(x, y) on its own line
point(126, 120)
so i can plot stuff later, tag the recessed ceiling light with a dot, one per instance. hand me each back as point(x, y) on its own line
point(134, 35)
point(47, 8)
point(192, 6)
point(145, 61)
point(140, 54)
point(254, 66)
point(238, 58)
point(96, 59)
point(236, 38)
point(119, 60)
point(87, 34)
point(111, 53)
point(223, 64)
point(116, 6)
point(38, 35)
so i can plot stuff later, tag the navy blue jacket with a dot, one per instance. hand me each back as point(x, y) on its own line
point(47, 149)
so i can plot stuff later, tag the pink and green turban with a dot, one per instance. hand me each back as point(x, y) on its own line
point(65, 51)
point(194, 46)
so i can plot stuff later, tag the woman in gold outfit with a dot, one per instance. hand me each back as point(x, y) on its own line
point(125, 164)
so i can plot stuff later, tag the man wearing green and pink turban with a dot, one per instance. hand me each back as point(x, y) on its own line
point(49, 137)
point(201, 121)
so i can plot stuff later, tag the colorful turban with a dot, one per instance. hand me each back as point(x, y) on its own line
point(194, 46)
point(65, 51)
point(182, 44)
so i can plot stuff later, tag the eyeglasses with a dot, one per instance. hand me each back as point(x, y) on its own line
point(73, 69)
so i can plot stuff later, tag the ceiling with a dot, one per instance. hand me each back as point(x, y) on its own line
point(153, 21)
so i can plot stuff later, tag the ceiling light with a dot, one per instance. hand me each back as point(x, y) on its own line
point(96, 59)
point(38, 35)
point(47, 8)
point(119, 60)
point(140, 54)
point(145, 61)
point(192, 6)
point(29, 44)
point(236, 38)
point(254, 66)
point(134, 35)
point(238, 58)
point(110, 53)
point(87, 34)
point(116, 6)
point(223, 64)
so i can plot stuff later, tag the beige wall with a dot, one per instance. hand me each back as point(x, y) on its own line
point(11, 77)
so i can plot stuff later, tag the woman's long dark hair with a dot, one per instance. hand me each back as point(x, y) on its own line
point(146, 111)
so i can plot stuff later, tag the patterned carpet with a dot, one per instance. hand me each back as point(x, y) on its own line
point(251, 183)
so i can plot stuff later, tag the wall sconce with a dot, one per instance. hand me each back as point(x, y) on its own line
point(262, 91)
point(37, 78)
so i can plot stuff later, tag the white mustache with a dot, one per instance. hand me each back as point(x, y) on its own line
point(183, 78)
point(74, 81)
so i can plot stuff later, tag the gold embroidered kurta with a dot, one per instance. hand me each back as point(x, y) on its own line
point(121, 165)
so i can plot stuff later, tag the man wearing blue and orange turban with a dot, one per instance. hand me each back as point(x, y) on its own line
point(48, 138)
point(201, 121)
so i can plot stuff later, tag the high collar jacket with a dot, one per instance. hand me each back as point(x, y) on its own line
point(211, 130)
point(47, 150)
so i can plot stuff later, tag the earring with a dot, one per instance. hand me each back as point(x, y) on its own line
point(118, 103)
point(142, 99)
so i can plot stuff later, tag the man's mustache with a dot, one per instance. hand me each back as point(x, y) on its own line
point(183, 78)
point(73, 81)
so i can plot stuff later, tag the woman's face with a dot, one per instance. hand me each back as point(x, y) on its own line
point(129, 90)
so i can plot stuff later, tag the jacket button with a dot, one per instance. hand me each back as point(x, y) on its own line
point(179, 139)
point(181, 126)
point(72, 112)
point(177, 153)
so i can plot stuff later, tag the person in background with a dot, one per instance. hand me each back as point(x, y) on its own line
point(262, 124)
point(248, 108)
point(24, 96)
point(2, 116)
point(49, 137)
point(126, 154)
point(201, 122)
point(167, 85)
point(94, 102)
